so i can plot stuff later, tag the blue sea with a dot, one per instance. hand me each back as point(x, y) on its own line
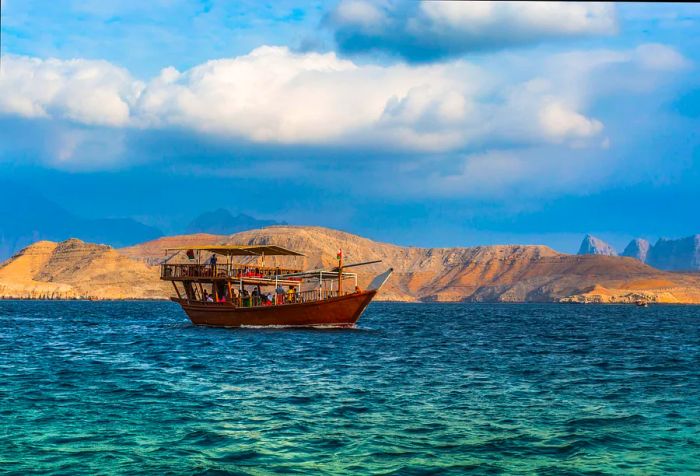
point(133, 387)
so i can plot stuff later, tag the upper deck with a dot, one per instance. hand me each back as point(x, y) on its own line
point(198, 272)
point(251, 272)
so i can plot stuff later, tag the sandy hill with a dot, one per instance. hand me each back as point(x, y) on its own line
point(485, 273)
point(153, 252)
point(74, 269)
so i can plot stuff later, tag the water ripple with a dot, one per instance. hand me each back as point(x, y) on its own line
point(123, 388)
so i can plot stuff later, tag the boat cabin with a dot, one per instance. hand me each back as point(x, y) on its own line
point(249, 276)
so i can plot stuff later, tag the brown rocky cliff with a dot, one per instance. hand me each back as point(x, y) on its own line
point(508, 273)
point(513, 273)
point(74, 269)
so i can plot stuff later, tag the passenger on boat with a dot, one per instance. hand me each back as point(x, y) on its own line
point(280, 294)
point(291, 294)
point(205, 297)
point(357, 289)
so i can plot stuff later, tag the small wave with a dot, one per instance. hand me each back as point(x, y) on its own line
point(594, 422)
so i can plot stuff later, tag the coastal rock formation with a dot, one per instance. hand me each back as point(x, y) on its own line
point(676, 255)
point(595, 246)
point(638, 249)
point(73, 269)
point(507, 273)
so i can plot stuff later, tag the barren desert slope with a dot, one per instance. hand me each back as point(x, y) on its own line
point(506, 273)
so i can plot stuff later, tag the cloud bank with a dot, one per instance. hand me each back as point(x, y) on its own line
point(276, 96)
point(426, 31)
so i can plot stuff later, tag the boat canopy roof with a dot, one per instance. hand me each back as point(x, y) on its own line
point(241, 250)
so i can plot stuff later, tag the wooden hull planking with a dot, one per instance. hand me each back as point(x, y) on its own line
point(342, 311)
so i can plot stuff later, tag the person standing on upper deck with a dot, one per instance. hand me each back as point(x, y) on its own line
point(212, 263)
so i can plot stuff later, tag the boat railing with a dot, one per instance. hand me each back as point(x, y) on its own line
point(225, 270)
point(315, 295)
point(298, 297)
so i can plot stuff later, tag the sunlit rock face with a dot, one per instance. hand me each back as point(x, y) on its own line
point(676, 255)
point(595, 246)
point(638, 249)
point(74, 269)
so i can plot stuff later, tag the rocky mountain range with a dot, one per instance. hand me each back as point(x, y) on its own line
point(595, 246)
point(74, 269)
point(681, 254)
point(507, 273)
point(27, 217)
point(223, 222)
point(638, 248)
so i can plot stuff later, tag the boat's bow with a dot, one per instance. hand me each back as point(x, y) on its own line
point(379, 280)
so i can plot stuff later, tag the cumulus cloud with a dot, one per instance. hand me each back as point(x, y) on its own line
point(427, 31)
point(86, 91)
point(274, 95)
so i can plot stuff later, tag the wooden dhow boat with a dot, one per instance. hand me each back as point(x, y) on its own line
point(242, 291)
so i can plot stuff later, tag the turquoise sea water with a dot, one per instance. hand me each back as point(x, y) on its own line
point(124, 388)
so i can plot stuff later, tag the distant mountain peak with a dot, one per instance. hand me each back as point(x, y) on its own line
point(682, 254)
point(638, 248)
point(595, 246)
point(223, 222)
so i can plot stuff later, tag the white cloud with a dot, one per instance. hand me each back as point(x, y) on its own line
point(360, 13)
point(658, 57)
point(85, 91)
point(427, 31)
point(559, 121)
point(273, 95)
point(516, 20)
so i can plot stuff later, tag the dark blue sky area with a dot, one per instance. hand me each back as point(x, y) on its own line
point(430, 124)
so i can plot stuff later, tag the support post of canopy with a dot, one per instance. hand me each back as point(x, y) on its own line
point(340, 272)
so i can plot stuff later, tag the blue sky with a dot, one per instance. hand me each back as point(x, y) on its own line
point(419, 123)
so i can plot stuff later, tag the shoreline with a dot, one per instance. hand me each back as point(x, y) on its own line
point(651, 304)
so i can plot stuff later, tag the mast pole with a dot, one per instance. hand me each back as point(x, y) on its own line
point(340, 272)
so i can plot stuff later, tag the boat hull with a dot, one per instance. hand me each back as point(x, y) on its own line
point(343, 311)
